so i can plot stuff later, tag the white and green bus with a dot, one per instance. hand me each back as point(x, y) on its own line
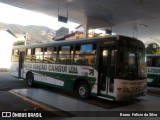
point(153, 69)
point(110, 67)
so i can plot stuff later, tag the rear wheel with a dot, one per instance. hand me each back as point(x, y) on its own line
point(83, 90)
point(30, 79)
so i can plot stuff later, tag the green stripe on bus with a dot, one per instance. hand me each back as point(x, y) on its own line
point(156, 79)
point(68, 79)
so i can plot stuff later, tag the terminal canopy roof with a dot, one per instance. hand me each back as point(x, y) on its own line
point(135, 18)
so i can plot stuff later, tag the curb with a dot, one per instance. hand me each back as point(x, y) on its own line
point(153, 92)
point(39, 105)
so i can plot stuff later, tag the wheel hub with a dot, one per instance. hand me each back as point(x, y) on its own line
point(82, 91)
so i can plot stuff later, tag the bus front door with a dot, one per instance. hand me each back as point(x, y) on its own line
point(106, 72)
point(21, 62)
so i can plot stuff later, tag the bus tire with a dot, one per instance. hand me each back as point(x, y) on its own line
point(83, 90)
point(30, 79)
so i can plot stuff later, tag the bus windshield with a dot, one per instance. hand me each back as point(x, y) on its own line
point(131, 64)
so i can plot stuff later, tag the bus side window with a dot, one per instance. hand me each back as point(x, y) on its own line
point(50, 54)
point(37, 55)
point(76, 56)
point(85, 54)
point(28, 55)
point(79, 57)
point(65, 55)
point(15, 55)
point(157, 62)
point(149, 62)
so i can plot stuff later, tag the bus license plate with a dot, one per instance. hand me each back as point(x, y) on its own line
point(138, 88)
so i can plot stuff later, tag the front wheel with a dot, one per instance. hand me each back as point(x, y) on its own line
point(30, 79)
point(83, 90)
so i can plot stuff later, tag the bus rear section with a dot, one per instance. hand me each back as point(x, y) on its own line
point(153, 69)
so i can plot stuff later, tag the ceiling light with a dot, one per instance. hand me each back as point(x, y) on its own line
point(143, 25)
point(104, 8)
point(69, 0)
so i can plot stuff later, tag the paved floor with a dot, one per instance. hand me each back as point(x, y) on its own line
point(153, 88)
point(85, 110)
point(10, 102)
point(147, 103)
point(56, 100)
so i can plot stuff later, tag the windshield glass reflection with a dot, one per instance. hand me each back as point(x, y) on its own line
point(131, 64)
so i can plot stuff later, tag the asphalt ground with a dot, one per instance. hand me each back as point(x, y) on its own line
point(10, 102)
point(13, 103)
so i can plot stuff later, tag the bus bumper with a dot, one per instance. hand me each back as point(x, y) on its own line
point(128, 96)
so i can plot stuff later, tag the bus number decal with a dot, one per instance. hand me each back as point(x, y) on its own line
point(73, 69)
point(52, 68)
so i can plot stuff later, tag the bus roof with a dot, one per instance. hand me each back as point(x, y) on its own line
point(83, 40)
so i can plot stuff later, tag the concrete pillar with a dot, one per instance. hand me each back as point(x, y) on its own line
point(86, 27)
point(93, 23)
